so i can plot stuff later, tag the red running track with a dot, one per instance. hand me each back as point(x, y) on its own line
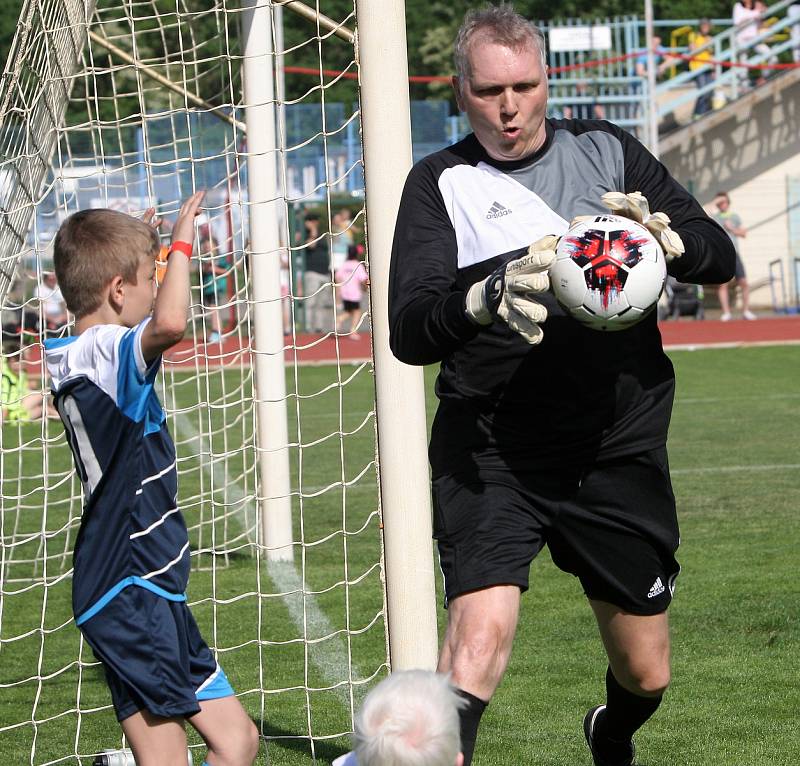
point(320, 349)
point(689, 333)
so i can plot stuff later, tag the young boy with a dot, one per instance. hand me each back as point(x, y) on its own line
point(131, 562)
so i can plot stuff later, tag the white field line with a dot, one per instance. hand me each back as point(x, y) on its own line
point(728, 344)
point(736, 468)
point(331, 656)
point(732, 399)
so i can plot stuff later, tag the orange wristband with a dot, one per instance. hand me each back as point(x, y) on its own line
point(182, 247)
point(161, 264)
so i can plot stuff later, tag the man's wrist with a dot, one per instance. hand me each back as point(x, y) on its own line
point(475, 305)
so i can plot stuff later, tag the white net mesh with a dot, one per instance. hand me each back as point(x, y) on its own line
point(155, 111)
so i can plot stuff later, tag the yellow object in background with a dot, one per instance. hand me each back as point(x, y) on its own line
point(161, 264)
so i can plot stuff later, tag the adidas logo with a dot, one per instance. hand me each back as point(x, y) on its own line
point(497, 211)
point(657, 588)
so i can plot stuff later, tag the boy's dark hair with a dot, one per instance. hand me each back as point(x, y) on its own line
point(94, 246)
point(312, 216)
point(355, 252)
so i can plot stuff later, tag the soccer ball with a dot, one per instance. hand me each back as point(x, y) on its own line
point(609, 272)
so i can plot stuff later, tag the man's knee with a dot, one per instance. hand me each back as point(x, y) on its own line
point(646, 676)
point(482, 645)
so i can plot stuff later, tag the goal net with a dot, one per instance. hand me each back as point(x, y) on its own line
point(269, 398)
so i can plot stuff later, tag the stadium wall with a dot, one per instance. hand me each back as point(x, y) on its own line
point(750, 149)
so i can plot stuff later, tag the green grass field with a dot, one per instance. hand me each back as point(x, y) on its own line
point(735, 695)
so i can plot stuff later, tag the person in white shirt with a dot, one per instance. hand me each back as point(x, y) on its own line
point(54, 310)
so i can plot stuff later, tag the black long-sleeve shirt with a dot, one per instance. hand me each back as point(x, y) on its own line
point(581, 394)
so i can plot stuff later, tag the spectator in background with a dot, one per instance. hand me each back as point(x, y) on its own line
point(54, 310)
point(793, 12)
point(763, 48)
point(20, 402)
point(699, 63)
point(745, 20)
point(317, 277)
point(732, 224)
point(661, 59)
point(214, 284)
point(341, 236)
point(408, 719)
point(584, 110)
point(286, 300)
point(351, 277)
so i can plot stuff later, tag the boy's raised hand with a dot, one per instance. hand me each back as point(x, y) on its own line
point(183, 230)
point(149, 218)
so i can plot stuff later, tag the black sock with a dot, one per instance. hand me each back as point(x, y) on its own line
point(469, 717)
point(625, 712)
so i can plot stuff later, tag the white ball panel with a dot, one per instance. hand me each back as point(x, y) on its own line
point(568, 282)
point(645, 283)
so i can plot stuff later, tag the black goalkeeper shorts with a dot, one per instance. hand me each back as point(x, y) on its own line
point(613, 526)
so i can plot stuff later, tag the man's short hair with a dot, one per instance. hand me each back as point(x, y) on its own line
point(94, 246)
point(499, 24)
point(409, 719)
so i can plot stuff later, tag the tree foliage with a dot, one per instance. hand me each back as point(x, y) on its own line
point(431, 27)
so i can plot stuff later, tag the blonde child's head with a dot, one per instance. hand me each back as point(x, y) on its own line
point(94, 246)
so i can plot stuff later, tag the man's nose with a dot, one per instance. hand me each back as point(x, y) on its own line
point(508, 103)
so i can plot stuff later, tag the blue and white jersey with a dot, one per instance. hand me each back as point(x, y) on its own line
point(132, 532)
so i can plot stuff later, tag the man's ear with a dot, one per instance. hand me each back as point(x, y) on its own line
point(456, 83)
point(116, 293)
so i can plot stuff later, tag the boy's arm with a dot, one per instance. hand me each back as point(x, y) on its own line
point(171, 307)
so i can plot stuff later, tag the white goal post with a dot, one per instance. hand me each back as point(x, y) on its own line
point(302, 464)
point(400, 389)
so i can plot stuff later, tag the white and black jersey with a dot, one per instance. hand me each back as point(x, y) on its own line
point(581, 394)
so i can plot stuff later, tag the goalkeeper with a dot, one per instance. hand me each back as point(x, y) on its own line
point(131, 561)
point(547, 433)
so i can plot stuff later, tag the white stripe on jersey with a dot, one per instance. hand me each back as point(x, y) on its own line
point(156, 476)
point(208, 680)
point(82, 444)
point(155, 524)
point(471, 195)
point(168, 566)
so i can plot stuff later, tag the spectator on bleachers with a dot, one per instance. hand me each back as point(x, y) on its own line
point(747, 15)
point(584, 110)
point(408, 719)
point(661, 59)
point(793, 12)
point(698, 40)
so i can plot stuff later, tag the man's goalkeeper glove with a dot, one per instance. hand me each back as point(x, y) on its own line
point(636, 207)
point(507, 293)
